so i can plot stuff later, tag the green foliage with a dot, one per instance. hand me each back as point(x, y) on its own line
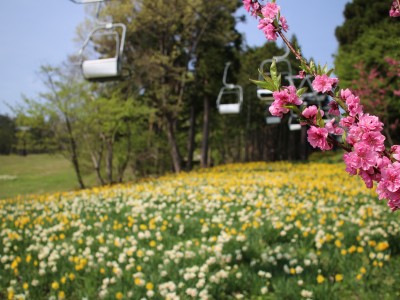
point(7, 134)
point(371, 48)
point(368, 35)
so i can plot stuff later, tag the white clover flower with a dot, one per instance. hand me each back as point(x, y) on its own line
point(264, 290)
point(192, 292)
point(150, 293)
point(200, 283)
point(299, 270)
point(286, 269)
point(35, 282)
point(306, 294)
point(300, 282)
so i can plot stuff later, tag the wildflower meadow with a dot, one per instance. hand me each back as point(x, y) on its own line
point(241, 231)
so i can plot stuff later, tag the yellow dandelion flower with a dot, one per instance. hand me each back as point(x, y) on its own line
point(55, 285)
point(382, 246)
point(61, 295)
point(363, 270)
point(138, 281)
point(338, 277)
point(63, 280)
point(359, 276)
point(149, 286)
point(338, 243)
point(25, 286)
point(71, 276)
point(320, 278)
point(152, 244)
point(119, 296)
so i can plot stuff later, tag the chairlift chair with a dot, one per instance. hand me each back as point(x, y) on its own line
point(229, 90)
point(104, 68)
point(293, 122)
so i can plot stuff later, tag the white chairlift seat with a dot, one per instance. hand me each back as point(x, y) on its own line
point(104, 68)
point(265, 95)
point(293, 122)
point(272, 120)
point(230, 97)
point(235, 93)
point(100, 68)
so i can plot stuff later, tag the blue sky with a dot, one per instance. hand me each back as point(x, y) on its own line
point(40, 32)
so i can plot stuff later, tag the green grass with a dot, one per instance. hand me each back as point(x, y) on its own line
point(36, 174)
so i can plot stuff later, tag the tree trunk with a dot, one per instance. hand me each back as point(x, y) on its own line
point(192, 127)
point(74, 154)
point(176, 156)
point(303, 143)
point(206, 132)
point(109, 159)
point(96, 164)
point(122, 167)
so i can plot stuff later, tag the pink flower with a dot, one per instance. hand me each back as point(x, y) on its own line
point(317, 137)
point(344, 94)
point(270, 10)
point(301, 75)
point(375, 140)
point(251, 6)
point(247, 4)
point(333, 128)
point(367, 177)
point(396, 152)
point(354, 106)
point(394, 200)
point(395, 9)
point(391, 177)
point(287, 96)
point(277, 110)
point(323, 83)
point(334, 108)
point(370, 123)
point(361, 157)
point(311, 112)
point(347, 122)
point(270, 32)
point(284, 24)
point(349, 169)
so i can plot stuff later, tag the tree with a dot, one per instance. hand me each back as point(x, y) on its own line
point(7, 134)
point(163, 40)
point(360, 38)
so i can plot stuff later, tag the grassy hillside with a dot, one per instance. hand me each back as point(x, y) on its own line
point(243, 231)
point(35, 174)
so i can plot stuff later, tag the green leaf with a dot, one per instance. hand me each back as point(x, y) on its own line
point(325, 69)
point(330, 72)
point(312, 66)
point(320, 122)
point(344, 137)
point(294, 108)
point(301, 91)
point(273, 70)
point(269, 85)
point(278, 82)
